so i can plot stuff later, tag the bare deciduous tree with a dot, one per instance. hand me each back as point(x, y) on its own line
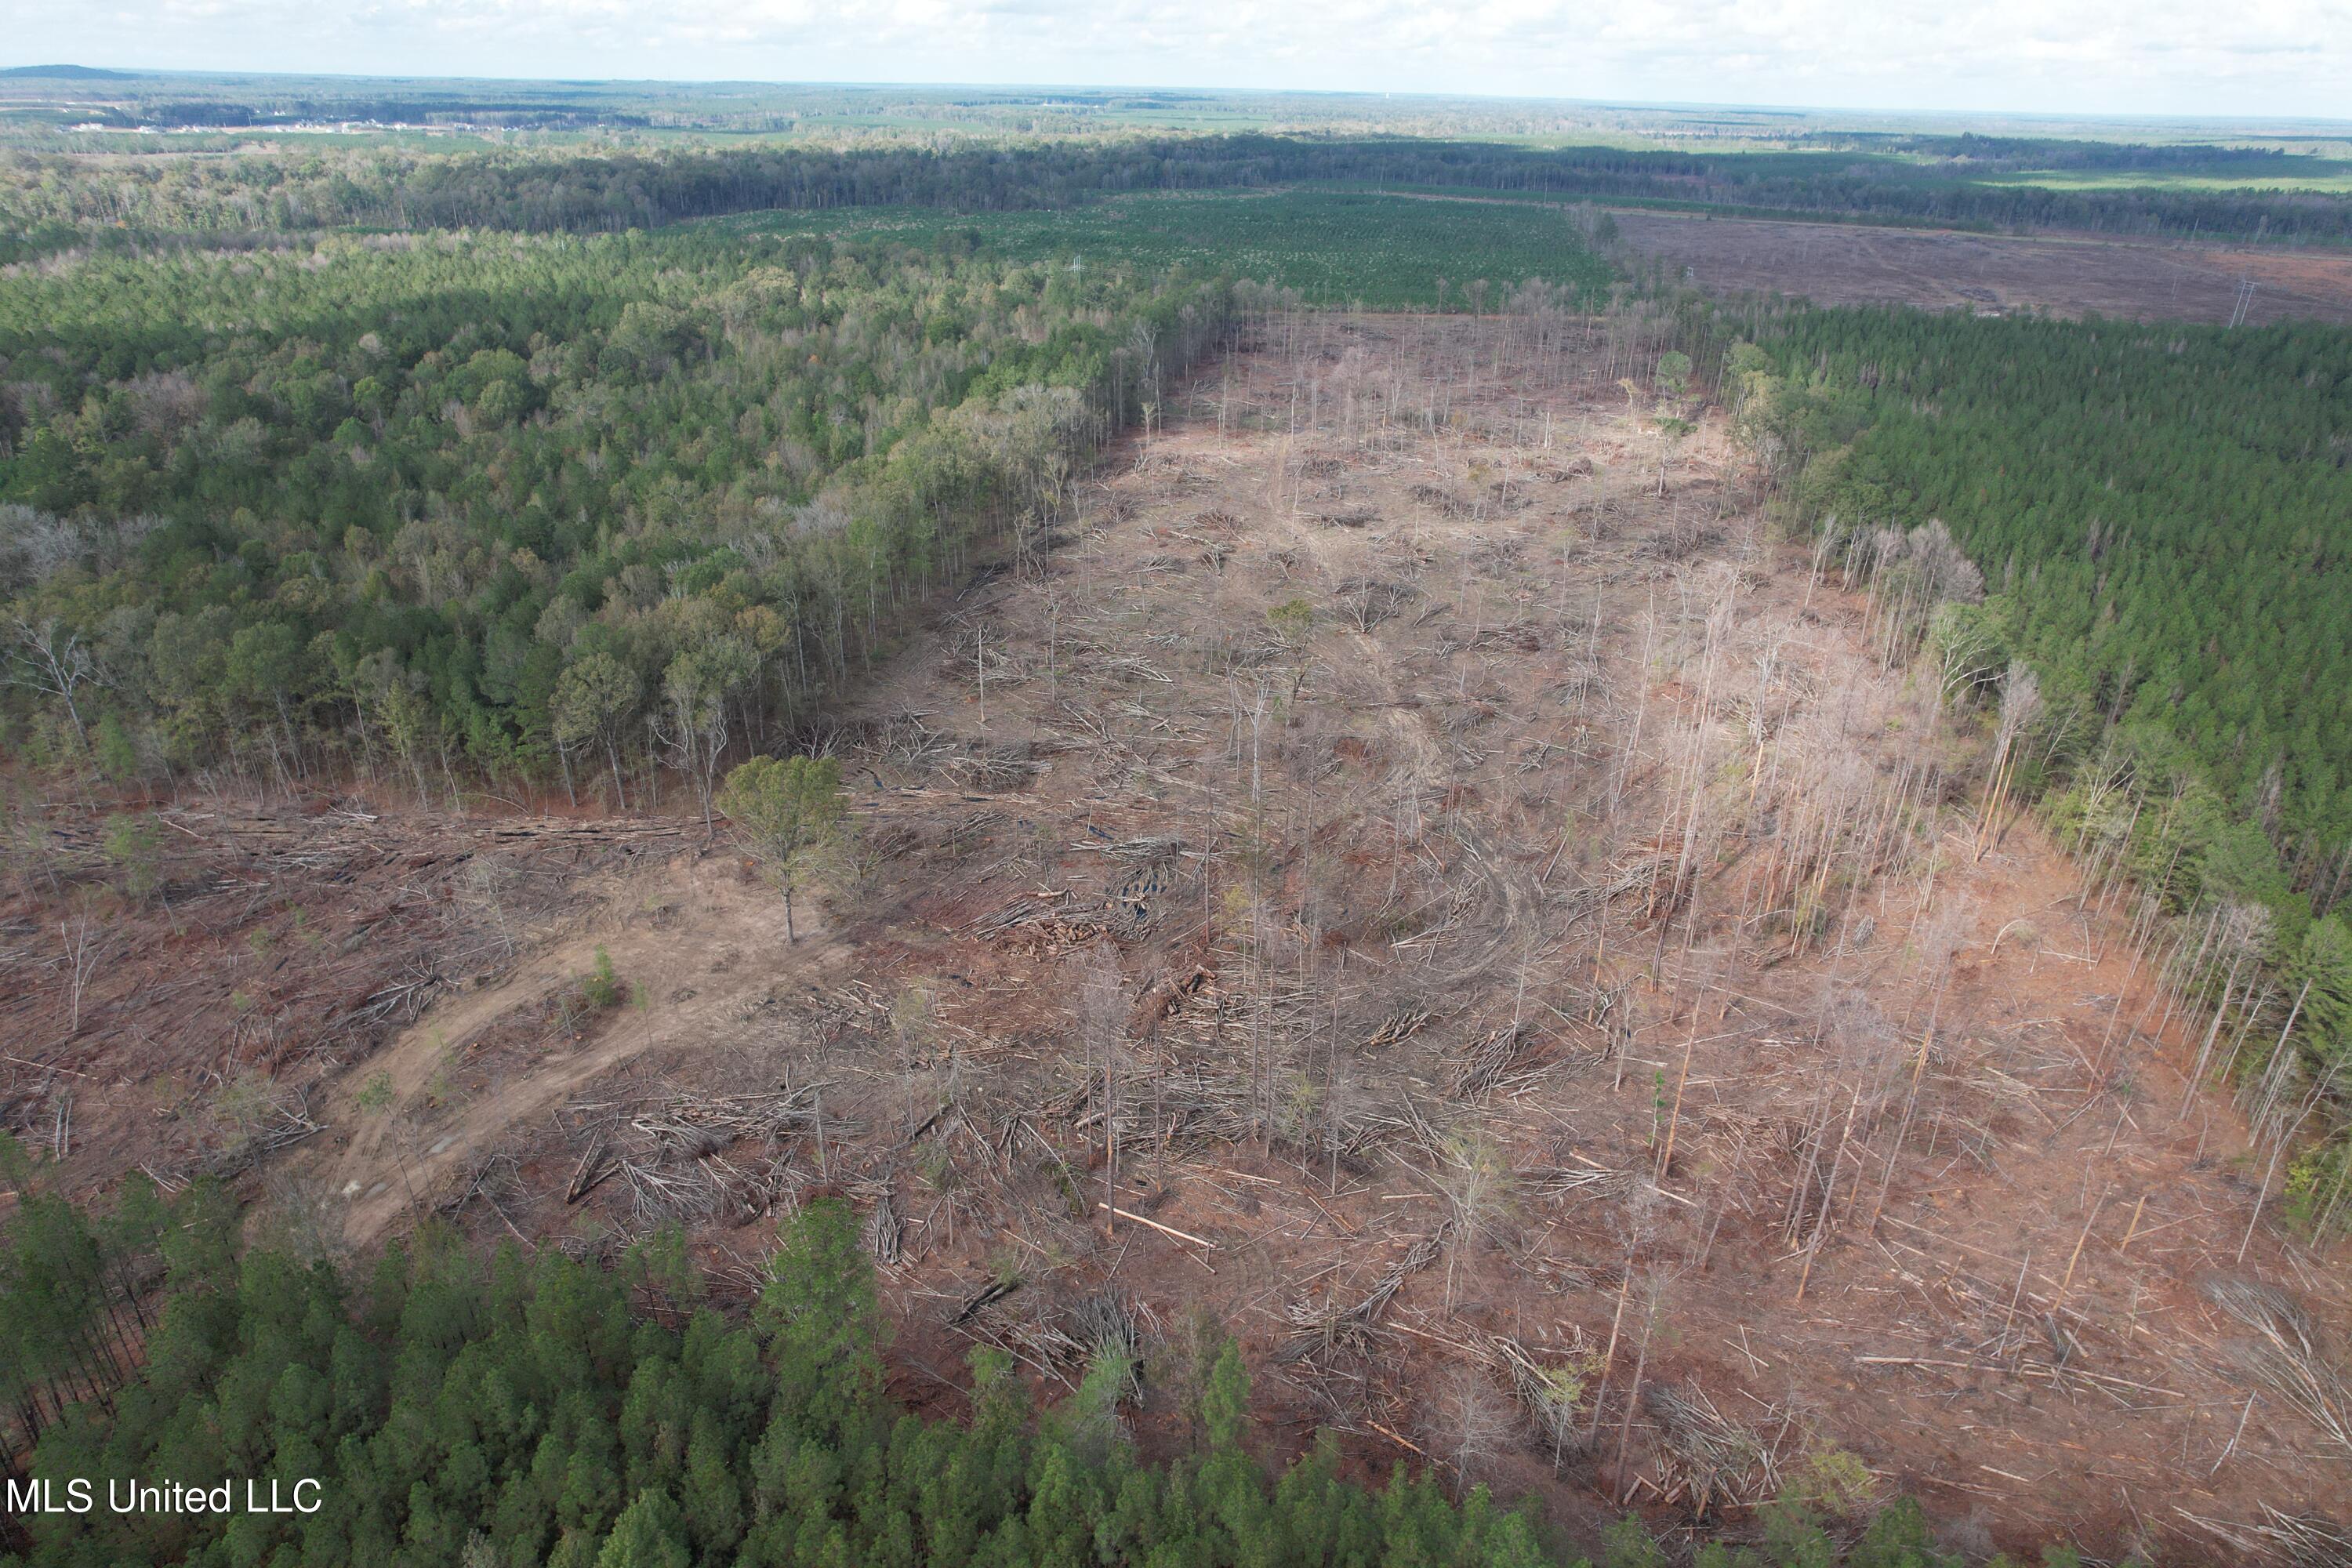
point(56, 663)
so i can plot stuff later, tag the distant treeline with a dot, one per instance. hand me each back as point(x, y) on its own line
point(48, 201)
point(2048, 152)
point(171, 113)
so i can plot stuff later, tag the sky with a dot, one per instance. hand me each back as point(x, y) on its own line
point(2161, 58)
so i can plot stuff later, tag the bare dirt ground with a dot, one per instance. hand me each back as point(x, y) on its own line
point(1833, 264)
point(176, 1001)
point(443, 1079)
point(1418, 879)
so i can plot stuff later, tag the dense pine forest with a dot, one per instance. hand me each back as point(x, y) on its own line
point(2157, 510)
point(542, 1410)
point(558, 506)
point(2156, 630)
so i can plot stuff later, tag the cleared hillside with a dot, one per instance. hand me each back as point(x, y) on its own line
point(1402, 866)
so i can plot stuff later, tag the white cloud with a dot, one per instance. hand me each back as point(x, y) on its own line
point(2132, 57)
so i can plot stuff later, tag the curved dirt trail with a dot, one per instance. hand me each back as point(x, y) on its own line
point(693, 944)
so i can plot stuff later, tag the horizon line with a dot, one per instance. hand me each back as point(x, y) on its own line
point(74, 70)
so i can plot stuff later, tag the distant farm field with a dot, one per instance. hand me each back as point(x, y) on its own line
point(1840, 264)
point(2332, 174)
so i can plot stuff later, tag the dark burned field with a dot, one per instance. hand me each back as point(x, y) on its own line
point(1832, 264)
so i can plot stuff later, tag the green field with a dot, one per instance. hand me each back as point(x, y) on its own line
point(2330, 174)
point(1388, 252)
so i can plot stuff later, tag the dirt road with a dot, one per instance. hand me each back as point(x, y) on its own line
point(693, 943)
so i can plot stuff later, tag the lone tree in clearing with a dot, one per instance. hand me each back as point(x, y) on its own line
point(1674, 375)
point(786, 809)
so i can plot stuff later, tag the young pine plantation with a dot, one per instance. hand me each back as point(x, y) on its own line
point(1399, 866)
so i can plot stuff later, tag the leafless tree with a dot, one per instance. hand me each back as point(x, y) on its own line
point(2020, 705)
point(85, 946)
point(1469, 1423)
point(1101, 1005)
point(1475, 1175)
point(53, 661)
